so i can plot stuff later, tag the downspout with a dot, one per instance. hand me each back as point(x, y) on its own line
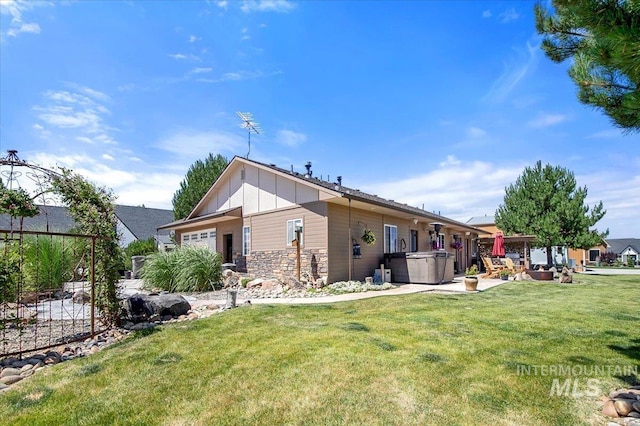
point(349, 243)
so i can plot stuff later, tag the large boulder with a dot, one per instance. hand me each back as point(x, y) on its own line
point(141, 307)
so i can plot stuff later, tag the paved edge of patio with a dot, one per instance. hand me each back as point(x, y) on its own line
point(454, 287)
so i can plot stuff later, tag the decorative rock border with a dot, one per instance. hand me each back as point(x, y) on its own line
point(624, 406)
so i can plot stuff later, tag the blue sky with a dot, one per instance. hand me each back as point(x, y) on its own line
point(434, 103)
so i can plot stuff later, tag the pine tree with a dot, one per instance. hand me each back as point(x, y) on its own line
point(200, 176)
point(602, 38)
point(545, 202)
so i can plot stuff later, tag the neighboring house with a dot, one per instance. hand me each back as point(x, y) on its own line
point(517, 247)
point(134, 223)
point(253, 210)
point(625, 248)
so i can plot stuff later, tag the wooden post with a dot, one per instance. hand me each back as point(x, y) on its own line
point(93, 286)
point(297, 243)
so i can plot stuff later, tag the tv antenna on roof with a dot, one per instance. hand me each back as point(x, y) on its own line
point(249, 124)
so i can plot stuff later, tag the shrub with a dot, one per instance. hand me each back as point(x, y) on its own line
point(608, 258)
point(630, 262)
point(185, 269)
point(48, 261)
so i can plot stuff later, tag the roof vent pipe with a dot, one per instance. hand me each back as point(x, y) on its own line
point(308, 167)
point(340, 180)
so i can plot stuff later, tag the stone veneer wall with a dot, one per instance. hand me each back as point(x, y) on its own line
point(282, 263)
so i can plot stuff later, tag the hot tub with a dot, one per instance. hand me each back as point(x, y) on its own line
point(427, 267)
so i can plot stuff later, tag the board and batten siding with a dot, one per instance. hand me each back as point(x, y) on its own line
point(269, 230)
point(256, 190)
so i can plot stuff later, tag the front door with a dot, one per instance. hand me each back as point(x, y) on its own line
point(228, 248)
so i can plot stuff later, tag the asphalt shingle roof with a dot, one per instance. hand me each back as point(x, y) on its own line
point(141, 221)
point(617, 245)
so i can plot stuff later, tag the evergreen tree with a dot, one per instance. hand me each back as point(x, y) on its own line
point(199, 178)
point(545, 202)
point(602, 39)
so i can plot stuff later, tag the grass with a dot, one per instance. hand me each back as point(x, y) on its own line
point(414, 359)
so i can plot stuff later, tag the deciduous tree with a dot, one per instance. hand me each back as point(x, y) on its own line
point(545, 202)
point(602, 40)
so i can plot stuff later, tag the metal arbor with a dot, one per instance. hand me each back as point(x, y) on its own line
point(47, 272)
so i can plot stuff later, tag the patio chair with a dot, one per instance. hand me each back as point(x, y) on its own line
point(493, 270)
point(508, 263)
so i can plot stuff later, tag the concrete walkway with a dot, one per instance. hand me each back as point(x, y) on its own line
point(455, 287)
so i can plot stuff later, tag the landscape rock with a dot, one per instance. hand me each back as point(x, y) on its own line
point(623, 406)
point(142, 307)
point(9, 371)
point(271, 285)
point(255, 283)
point(81, 296)
point(609, 409)
point(9, 380)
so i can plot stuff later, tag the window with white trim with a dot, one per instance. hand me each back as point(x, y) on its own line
point(441, 241)
point(246, 240)
point(291, 231)
point(185, 237)
point(390, 238)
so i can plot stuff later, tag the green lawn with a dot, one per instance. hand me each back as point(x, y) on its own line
point(416, 359)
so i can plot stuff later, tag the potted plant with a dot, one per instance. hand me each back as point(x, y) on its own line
point(504, 275)
point(471, 278)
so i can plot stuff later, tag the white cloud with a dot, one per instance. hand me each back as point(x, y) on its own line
point(547, 120)
point(514, 71)
point(476, 132)
point(281, 6)
point(107, 157)
point(450, 161)
point(509, 15)
point(222, 4)
point(201, 70)
point(487, 14)
point(178, 56)
point(143, 186)
point(75, 115)
point(458, 189)
point(290, 138)
point(193, 39)
point(17, 9)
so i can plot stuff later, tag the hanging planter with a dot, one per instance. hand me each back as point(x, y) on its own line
point(368, 237)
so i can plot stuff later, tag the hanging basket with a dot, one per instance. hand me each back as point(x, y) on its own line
point(368, 237)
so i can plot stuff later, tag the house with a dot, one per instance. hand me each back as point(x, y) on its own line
point(254, 213)
point(525, 246)
point(134, 223)
point(625, 248)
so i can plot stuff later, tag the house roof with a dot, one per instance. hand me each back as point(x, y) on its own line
point(618, 245)
point(50, 219)
point(233, 213)
point(482, 220)
point(141, 221)
point(339, 191)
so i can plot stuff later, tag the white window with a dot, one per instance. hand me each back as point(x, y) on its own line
point(441, 241)
point(204, 235)
point(246, 240)
point(194, 237)
point(390, 238)
point(291, 230)
point(185, 237)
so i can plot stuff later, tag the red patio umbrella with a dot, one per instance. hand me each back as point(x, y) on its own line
point(498, 245)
